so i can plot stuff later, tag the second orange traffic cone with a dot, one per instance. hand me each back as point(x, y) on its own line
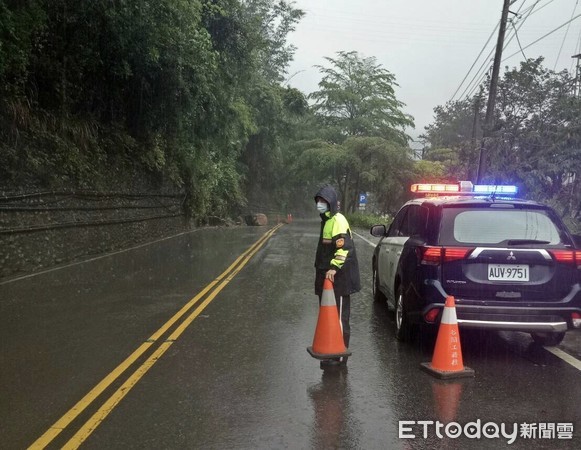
point(447, 360)
point(328, 342)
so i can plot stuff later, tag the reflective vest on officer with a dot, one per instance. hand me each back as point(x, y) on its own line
point(336, 250)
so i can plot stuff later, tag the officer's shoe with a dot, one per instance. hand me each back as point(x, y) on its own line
point(327, 363)
point(337, 362)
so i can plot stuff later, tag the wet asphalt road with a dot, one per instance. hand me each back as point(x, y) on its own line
point(239, 375)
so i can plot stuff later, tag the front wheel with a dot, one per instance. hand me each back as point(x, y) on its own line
point(403, 328)
point(550, 338)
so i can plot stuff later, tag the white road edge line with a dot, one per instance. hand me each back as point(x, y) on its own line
point(564, 356)
point(361, 237)
point(95, 258)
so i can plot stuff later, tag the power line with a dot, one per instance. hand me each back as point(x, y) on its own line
point(472, 87)
point(518, 40)
point(404, 21)
point(546, 35)
point(529, 11)
point(475, 61)
point(576, 50)
point(565, 37)
point(382, 36)
point(481, 72)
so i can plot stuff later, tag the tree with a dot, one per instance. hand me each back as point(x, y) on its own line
point(185, 94)
point(535, 141)
point(273, 20)
point(356, 95)
point(360, 164)
point(274, 108)
point(425, 171)
point(452, 137)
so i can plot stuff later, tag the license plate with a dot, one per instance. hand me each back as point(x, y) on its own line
point(508, 272)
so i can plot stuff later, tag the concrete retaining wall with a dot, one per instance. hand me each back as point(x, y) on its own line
point(42, 231)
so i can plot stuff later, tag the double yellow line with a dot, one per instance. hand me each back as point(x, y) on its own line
point(85, 431)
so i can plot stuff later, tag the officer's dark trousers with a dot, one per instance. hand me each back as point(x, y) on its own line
point(344, 309)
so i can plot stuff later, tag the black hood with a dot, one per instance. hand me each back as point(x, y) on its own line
point(329, 194)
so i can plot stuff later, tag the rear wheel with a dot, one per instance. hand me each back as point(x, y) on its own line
point(403, 329)
point(550, 338)
point(377, 294)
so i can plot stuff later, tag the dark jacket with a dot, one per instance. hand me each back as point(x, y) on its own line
point(336, 249)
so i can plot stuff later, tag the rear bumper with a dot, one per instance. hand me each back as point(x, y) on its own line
point(515, 318)
point(554, 316)
point(514, 326)
point(506, 318)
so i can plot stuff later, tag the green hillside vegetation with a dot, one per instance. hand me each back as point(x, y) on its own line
point(193, 97)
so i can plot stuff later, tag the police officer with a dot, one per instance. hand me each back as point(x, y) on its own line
point(336, 259)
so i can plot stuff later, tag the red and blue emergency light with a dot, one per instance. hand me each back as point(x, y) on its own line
point(495, 189)
point(435, 188)
point(464, 188)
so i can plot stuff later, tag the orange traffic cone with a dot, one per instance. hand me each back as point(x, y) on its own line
point(447, 360)
point(328, 342)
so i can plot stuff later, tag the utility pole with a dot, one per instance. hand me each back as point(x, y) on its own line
point(475, 127)
point(492, 91)
point(572, 177)
point(577, 85)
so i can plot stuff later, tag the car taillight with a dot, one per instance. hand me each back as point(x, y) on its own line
point(565, 256)
point(431, 255)
point(576, 319)
point(455, 253)
point(437, 255)
point(431, 315)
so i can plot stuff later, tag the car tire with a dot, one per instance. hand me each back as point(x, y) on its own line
point(403, 329)
point(377, 294)
point(550, 338)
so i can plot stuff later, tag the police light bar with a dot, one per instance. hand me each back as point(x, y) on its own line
point(435, 188)
point(464, 188)
point(495, 189)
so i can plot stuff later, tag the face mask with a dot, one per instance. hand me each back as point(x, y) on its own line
point(322, 207)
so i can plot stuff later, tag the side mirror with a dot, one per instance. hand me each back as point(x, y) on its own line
point(378, 230)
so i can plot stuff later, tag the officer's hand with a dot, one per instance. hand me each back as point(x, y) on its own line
point(331, 275)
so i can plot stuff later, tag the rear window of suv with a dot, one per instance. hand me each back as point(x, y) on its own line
point(495, 225)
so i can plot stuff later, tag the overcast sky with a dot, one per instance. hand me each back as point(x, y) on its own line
point(429, 45)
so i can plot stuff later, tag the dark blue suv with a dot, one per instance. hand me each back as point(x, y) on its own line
point(510, 264)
